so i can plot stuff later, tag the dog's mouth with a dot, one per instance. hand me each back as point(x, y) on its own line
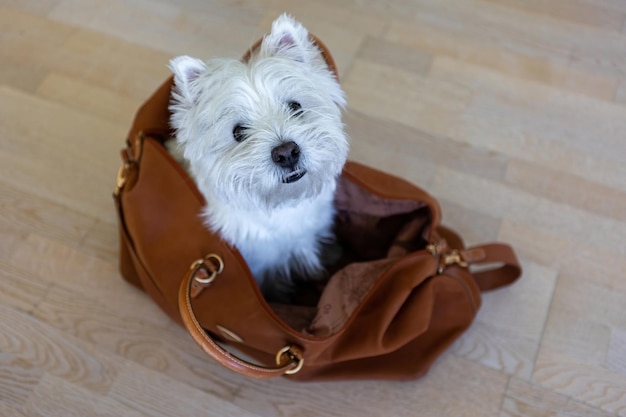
point(294, 176)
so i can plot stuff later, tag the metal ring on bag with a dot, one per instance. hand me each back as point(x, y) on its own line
point(217, 267)
point(287, 350)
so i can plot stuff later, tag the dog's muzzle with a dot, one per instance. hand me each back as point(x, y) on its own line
point(294, 176)
point(287, 156)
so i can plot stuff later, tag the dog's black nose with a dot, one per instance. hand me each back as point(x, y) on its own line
point(286, 155)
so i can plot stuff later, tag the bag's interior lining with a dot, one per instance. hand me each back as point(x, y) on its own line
point(373, 232)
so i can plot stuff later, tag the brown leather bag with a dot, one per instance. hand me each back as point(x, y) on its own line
point(402, 293)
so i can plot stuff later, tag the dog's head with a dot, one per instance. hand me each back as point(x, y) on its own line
point(266, 132)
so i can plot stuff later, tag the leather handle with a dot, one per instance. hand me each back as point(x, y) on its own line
point(214, 350)
point(493, 253)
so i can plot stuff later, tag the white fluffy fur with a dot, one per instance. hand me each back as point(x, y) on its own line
point(276, 226)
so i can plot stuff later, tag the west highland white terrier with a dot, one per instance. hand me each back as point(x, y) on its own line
point(265, 143)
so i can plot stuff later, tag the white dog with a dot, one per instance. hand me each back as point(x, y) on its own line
point(264, 141)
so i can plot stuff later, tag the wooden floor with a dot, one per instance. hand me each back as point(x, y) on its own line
point(511, 112)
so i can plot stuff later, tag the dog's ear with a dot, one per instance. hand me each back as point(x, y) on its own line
point(290, 39)
point(186, 70)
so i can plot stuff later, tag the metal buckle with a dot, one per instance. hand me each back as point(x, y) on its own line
point(130, 159)
point(121, 178)
point(446, 259)
point(452, 258)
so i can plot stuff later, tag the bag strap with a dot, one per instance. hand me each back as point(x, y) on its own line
point(199, 277)
point(493, 253)
point(488, 254)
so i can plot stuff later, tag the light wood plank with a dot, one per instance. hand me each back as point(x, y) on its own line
point(568, 189)
point(33, 41)
point(25, 213)
point(430, 150)
point(38, 346)
point(508, 42)
point(521, 207)
point(575, 365)
point(21, 289)
point(506, 335)
point(532, 122)
point(102, 241)
point(56, 397)
point(18, 379)
point(75, 272)
point(161, 25)
point(36, 7)
point(473, 226)
point(583, 307)
point(616, 354)
point(396, 55)
point(48, 153)
point(83, 96)
point(21, 76)
point(577, 11)
point(407, 98)
point(164, 396)
point(589, 384)
point(477, 392)
point(527, 400)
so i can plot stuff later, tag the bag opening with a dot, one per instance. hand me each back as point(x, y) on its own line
point(372, 232)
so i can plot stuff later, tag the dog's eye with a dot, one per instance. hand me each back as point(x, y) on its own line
point(239, 133)
point(295, 107)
